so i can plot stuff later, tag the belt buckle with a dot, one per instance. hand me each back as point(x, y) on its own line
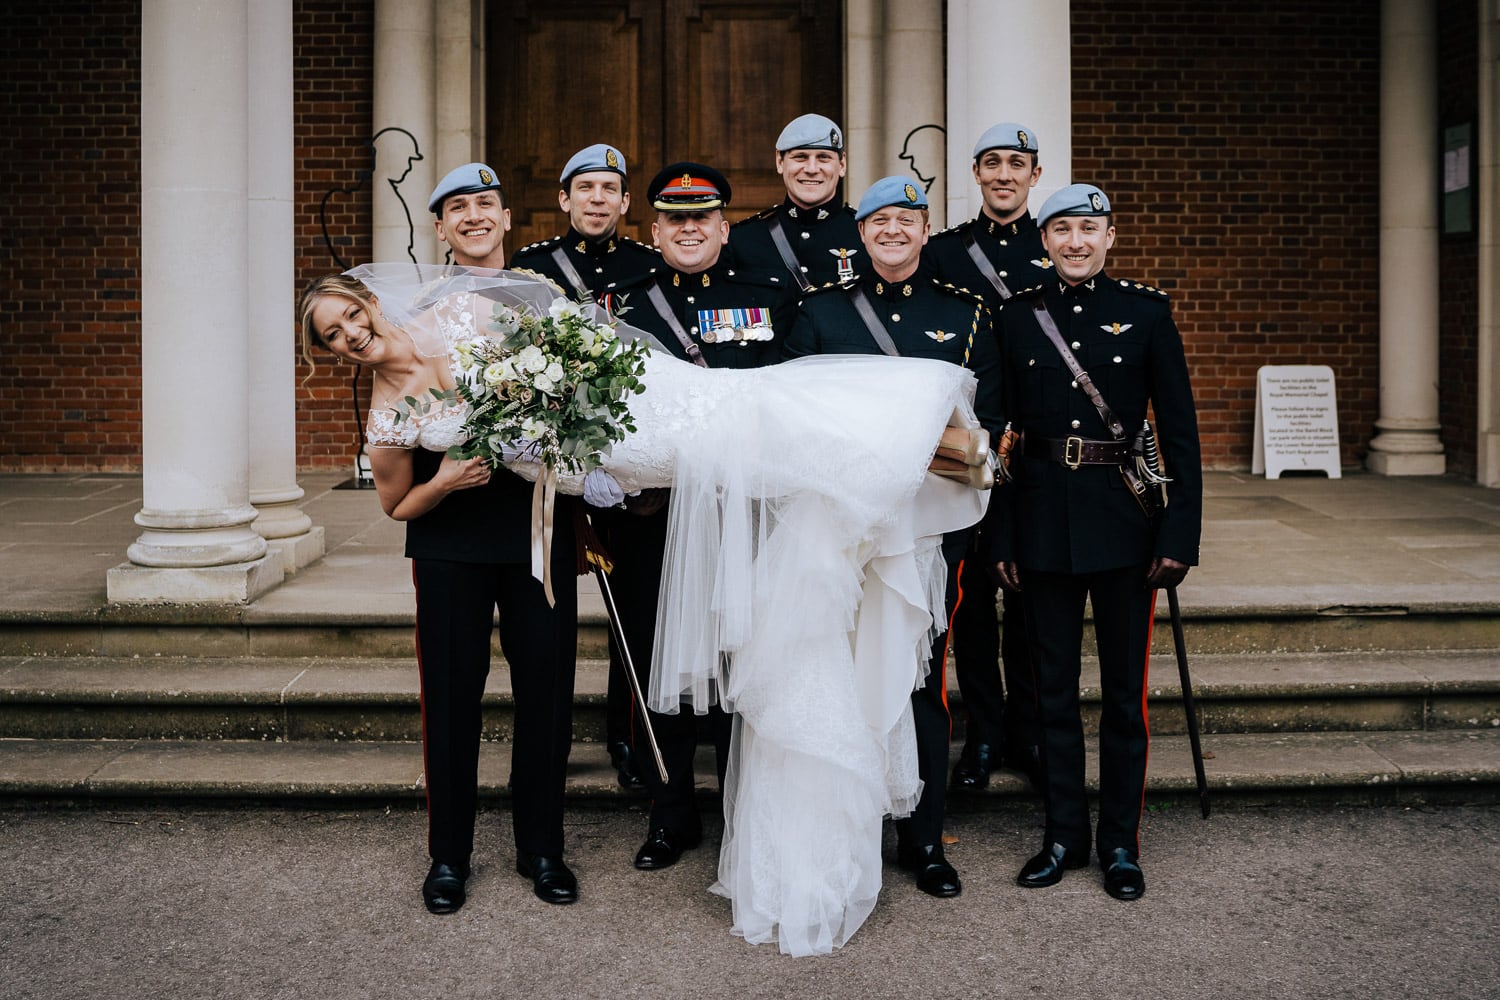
point(1073, 451)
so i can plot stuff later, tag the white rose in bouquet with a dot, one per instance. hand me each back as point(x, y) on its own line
point(531, 359)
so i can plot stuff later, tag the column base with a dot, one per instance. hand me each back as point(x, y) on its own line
point(235, 583)
point(299, 550)
point(1388, 463)
point(1487, 455)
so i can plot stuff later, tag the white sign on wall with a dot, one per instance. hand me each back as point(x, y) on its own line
point(1296, 421)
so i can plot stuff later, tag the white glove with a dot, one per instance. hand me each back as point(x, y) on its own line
point(601, 490)
point(520, 451)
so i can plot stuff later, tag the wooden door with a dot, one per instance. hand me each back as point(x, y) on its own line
point(707, 80)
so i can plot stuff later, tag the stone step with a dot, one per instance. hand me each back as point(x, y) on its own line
point(1354, 768)
point(376, 699)
point(247, 631)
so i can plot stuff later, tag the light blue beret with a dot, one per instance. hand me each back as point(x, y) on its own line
point(1006, 135)
point(1075, 199)
point(810, 132)
point(467, 179)
point(596, 157)
point(894, 190)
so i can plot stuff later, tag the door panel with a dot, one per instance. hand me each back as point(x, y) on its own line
point(564, 75)
point(707, 80)
point(739, 72)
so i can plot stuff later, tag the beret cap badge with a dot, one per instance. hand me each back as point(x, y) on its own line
point(485, 177)
point(612, 159)
point(910, 192)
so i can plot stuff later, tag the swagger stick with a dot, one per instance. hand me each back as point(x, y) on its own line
point(1187, 698)
point(596, 561)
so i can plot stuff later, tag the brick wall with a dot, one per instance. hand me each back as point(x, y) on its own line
point(334, 59)
point(70, 236)
point(1458, 351)
point(1238, 143)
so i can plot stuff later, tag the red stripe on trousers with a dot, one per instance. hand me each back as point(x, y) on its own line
point(1145, 718)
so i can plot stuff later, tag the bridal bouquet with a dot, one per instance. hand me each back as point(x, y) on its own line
point(553, 385)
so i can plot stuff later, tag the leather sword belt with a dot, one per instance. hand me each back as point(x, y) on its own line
point(1076, 451)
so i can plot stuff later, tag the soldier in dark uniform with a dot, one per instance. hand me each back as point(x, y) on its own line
point(595, 195)
point(920, 317)
point(995, 255)
point(1069, 530)
point(583, 261)
point(809, 239)
point(703, 311)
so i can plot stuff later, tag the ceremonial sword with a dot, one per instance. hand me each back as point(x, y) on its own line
point(596, 560)
point(1187, 698)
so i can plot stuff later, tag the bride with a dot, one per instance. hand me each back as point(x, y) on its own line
point(803, 586)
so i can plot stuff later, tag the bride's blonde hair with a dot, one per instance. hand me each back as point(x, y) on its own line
point(329, 284)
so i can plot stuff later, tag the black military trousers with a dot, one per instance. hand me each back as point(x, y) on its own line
point(456, 605)
point(929, 708)
point(638, 548)
point(1000, 713)
point(1122, 608)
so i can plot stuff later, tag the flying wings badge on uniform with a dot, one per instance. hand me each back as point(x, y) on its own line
point(1043, 263)
point(941, 336)
point(723, 326)
point(1116, 328)
point(846, 261)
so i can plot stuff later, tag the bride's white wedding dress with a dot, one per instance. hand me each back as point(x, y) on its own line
point(802, 588)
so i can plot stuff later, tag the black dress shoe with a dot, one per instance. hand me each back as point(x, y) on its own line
point(624, 762)
point(1122, 875)
point(974, 766)
point(443, 889)
point(551, 879)
point(663, 847)
point(935, 876)
point(1047, 867)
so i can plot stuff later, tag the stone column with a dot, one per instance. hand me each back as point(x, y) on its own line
point(864, 94)
point(913, 111)
point(1487, 127)
point(198, 545)
point(459, 68)
point(271, 276)
point(1406, 441)
point(404, 132)
point(1008, 61)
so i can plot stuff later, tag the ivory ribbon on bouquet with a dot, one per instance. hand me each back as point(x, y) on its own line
point(543, 503)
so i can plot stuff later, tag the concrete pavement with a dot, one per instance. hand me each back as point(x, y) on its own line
point(1370, 903)
point(1297, 543)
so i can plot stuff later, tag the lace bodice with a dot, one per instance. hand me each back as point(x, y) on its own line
point(437, 330)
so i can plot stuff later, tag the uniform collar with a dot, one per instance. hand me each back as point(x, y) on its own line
point(703, 279)
point(1088, 288)
point(592, 248)
point(894, 290)
point(1005, 230)
point(809, 216)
